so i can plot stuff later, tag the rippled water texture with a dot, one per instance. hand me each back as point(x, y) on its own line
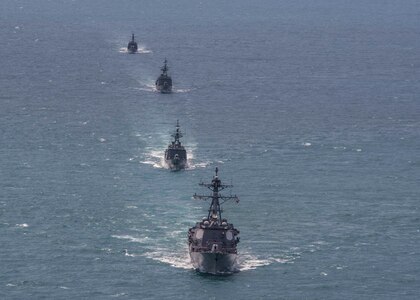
point(309, 108)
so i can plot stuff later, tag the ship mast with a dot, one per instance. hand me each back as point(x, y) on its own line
point(177, 135)
point(215, 212)
point(132, 37)
point(165, 68)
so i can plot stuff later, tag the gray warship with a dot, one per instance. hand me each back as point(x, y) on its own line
point(132, 45)
point(164, 81)
point(212, 242)
point(175, 154)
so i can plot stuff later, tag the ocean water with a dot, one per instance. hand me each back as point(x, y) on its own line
point(309, 108)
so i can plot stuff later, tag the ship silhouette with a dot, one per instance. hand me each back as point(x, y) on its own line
point(132, 45)
point(164, 81)
point(175, 154)
point(212, 242)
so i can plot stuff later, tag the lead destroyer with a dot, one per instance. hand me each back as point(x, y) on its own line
point(212, 242)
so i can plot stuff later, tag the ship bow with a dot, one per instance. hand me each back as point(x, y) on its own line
point(214, 263)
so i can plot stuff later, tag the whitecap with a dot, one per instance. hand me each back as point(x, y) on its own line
point(143, 50)
point(146, 87)
point(192, 162)
point(128, 254)
point(175, 255)
point(140, 50)
point(156, 159)
point(23, 225)
point(283, 260)
point(252, 264)
point(247, 261)
point(131, 238)
point(174, 259)
point(152, 163)
point(131, 206)
point(192, 166)
point(182, 90)
point(119, 295)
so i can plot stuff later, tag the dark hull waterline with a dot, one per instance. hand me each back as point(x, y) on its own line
point(214, 263)
point(164, 90)
point(176, 165)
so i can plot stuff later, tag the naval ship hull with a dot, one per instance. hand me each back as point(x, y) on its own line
point(214, 263)
point(164, 89)
point(132, 47)
point(164, 84)
point(176, 158)
point(176, 164)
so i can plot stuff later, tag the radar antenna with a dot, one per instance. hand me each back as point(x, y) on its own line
point(165, 67)
point(215, 212)
point(178, 134)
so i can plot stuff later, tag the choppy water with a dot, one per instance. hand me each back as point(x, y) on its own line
point(310, 108)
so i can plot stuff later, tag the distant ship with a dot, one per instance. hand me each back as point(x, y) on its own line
point(132, 45)
point(175, 154)
point(164, 81)
point(212, 242)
